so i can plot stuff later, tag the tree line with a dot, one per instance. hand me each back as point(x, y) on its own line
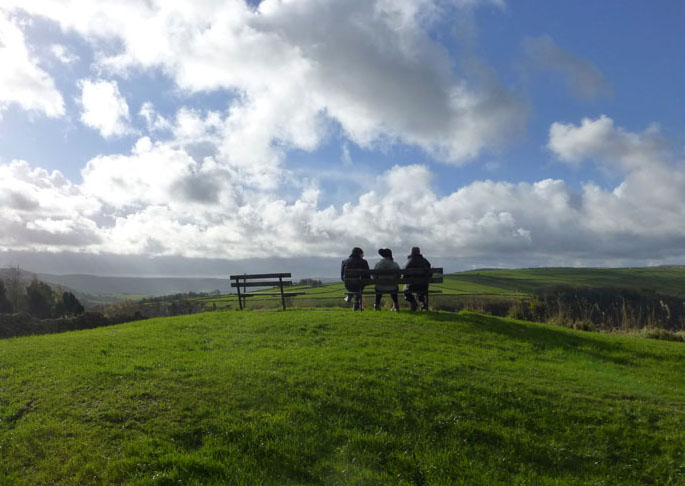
point(37, 298)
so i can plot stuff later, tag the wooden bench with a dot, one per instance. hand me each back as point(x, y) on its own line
point(407, 276)
point(265, 280)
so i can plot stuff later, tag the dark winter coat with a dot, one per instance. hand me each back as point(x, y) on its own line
point(353, 262)
point(417, 261)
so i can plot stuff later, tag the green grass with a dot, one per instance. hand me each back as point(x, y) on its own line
point(340, 398)
point(332, 294)
point(662, 280)
point(668, 281)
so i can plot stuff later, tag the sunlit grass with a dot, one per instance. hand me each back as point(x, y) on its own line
point(336, 397)
point(498, 283)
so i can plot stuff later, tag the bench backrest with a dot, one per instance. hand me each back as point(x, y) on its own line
point(260, 280)
point(403, 276)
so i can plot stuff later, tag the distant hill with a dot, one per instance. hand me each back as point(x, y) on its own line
point(663, 280)
point(137, 285)
point(93, 289)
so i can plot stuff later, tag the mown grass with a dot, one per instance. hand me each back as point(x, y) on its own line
point(336, 397)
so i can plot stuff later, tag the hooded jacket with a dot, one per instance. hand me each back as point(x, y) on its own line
point(386, 283)
point(416, 260)
point(355, 261)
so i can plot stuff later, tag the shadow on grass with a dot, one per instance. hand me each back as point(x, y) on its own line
point(504, 283)
point(546, 337)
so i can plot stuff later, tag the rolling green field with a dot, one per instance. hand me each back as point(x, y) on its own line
point(663, 280)
point(669, 281)
point(333, 397)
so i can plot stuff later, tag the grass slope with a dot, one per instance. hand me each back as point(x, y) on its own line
point(335, 397)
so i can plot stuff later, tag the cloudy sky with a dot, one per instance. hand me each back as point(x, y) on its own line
point(488, 132)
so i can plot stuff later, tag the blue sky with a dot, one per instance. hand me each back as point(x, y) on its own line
point(492, 133)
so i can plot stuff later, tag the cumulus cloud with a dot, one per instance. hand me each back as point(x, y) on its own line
point(210, 184)
point(160, 200)
point(583, 78)
point(63, 54)
point(370, 67)
point(41, 209)
point(154, 175)
point(22, 81)
point(104, 108)
point(153, 120)
point(650, 198)
point(603, 142)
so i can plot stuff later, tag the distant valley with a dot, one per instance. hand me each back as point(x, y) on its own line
point(92, 289)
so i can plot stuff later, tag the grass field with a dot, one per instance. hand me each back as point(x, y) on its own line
point(341, 398)
point(662, 280)
point(669, 281)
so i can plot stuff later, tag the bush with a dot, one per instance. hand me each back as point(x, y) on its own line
point(587, 309)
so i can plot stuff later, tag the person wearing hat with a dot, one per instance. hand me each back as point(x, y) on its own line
point(386, 284)
point(355, 261)
point(416, 260)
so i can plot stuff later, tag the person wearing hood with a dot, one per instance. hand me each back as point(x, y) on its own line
point(416, 260)
point(355, 261)
point(386, 284)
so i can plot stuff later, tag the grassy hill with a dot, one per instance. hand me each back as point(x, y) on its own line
point(667, 280)
point(335, 397)
point(650, 299)
point(93, 290)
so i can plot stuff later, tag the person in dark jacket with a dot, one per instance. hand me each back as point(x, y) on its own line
point(354, 290)
point(416, 260)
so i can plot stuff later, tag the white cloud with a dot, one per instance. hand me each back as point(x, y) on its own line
point(63, 54)
point(369, 66)
point(158, 174)
point(43, 210)
point(154, 121)
point(583, 78)
point(605, 143)
point(159, 200)
point(104, 108)
point(294, 72)
point(22, 81)
point(649, 200)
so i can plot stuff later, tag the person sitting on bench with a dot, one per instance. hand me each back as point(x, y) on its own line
point(416, 260)
point(355, 261)
point(386, 284)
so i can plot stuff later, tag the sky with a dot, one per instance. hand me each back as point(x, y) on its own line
point(491, 133)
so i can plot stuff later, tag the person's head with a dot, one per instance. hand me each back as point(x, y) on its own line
point(415, 251)
point(356, 251)
point(385, 253)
